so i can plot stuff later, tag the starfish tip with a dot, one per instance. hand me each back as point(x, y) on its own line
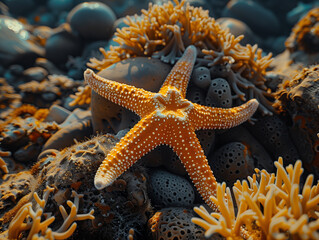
point(254, 102)
point(88, 74)
point(192, 47)
point(99, 183)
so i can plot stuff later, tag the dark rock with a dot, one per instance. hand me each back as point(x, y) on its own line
point(261, 20)
point(15, 44)
point(92, 20)
point(61, 45)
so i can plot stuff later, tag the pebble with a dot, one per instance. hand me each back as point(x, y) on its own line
point(261, 20)
point(92, 20)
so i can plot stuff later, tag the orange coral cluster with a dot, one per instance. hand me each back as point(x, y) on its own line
point(164, 31)
point(274, 207)
point(305, 34)
point(28, 219)
point(25, 110)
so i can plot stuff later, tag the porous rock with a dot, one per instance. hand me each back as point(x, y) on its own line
point(174, 224)
point(196, 95)
point(273, 134)
point(201, 77)
point(170, 190)
point(219, 94)
point(260, 156)
point(232, 162)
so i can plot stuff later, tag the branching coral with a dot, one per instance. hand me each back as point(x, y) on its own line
point(274, 207)
point(28, 220)
point(164, 31)
point(82, 97)
point(3, 165)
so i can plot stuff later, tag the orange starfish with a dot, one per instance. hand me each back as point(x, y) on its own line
point(166, 118)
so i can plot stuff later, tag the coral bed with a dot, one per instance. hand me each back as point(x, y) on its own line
point(164, 31)
point(269, 206)
point(55, 130)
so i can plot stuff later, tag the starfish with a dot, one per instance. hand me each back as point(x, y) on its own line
point(167, 117)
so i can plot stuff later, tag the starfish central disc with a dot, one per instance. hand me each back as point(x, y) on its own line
point(172, 104)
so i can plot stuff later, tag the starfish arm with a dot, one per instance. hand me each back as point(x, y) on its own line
point(187, 146)
point(204, 117)
point(141, 139)
point(180, 74)
point(135, 99)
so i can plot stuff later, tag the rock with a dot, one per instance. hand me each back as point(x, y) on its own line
point(261, 20)
point(92, 20)
point(201, 77)
point(219, 94)
point(20, 8)
point(237, 27)
point(13, 188)
point(196, 95)
point(60, 5)
point(262, 159)
point(15, 44)
point(67, 136)
point(170, 190)
point(61, 45)
point(35, 73)
point(299, 99)
point(173, 224)
point(123, 8)
point(119, 207)
point(57, 114)
point(273, 134)
point(232, 162)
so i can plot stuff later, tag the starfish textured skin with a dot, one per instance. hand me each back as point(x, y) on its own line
point(167, 117)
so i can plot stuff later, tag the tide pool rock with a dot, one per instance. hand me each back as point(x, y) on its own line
point(60, 5)
point(175, 224)
point(15, 44)
point(219, 94)
point(232, 162)
point(92, 20)
point(261, 20)
point(61, 45)
point(237, 27)
point(20, 8)
point(170, 190)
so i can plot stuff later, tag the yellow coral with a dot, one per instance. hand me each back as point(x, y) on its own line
point(29, 220)
point(3, 165)
point(83, 96)
point(275, 207)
